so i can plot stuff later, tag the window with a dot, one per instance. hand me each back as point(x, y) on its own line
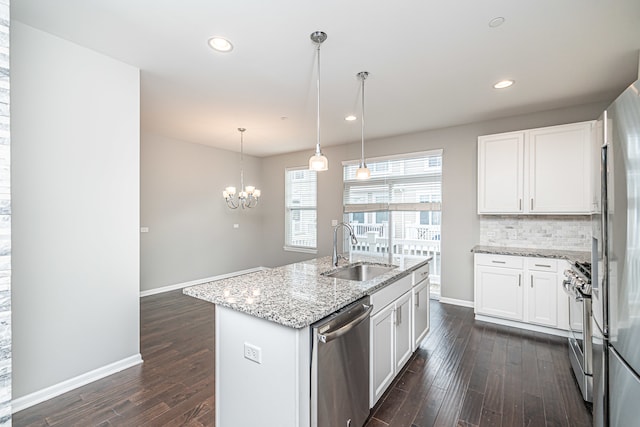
point(397, 212)
point(300, 210)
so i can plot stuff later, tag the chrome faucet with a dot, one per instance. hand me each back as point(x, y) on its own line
point(352, 234)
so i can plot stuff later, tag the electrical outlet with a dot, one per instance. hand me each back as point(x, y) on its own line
point(334, 222)
point(252, 353)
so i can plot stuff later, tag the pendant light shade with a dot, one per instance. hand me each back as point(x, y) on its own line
point(318, 162)
point(363, 171)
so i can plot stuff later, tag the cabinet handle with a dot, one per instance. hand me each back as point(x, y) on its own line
point(519, 204)
point(398, 315)
point(542, 265)
point(498, 262)
point(532, 281)
point(417, 300)
point(519, 280)
point(532, 203)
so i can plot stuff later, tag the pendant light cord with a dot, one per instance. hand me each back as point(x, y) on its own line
point(362, 144)
point(318, 116)
point(241, 158)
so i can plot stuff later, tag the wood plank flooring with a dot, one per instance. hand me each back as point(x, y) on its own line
point(465, 373)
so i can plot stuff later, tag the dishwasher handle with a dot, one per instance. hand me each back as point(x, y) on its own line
point(343, 329)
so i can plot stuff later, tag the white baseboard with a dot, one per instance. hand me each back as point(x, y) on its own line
point(199, 281)
point(50, 392)
point(521, 325)
point(460, 302)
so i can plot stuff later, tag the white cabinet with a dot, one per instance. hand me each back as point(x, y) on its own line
point(498, 286)
point(382, 352)
point(521, 289)
point(537, 171)
point(394, 326)
point(542, 292)
point(403, 329)
point(420, 296)
point(501, 173)
point(391, 344)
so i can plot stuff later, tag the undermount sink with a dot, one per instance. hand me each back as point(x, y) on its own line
point(360, 271)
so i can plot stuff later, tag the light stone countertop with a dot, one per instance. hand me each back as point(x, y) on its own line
point(297, 295)
point(581, 256)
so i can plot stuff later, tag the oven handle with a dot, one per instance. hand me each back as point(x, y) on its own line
point(343, 329)
point(565, 288)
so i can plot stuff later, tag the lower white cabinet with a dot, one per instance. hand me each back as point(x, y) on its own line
point(382, 352)
point(542, 296)
point(391, 344)
point(420, 294)
point(399, 322)
point(403, 329)
point(499, 292)
point(521, 289)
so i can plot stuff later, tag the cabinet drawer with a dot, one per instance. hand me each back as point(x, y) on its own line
point(390, 293)
point(542, 264)
point(421, 274)
point(505, 261)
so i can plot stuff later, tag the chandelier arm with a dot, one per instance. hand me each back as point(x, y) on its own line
point(231, 204)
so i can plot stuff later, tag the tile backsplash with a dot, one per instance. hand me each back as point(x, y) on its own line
point(538, 232)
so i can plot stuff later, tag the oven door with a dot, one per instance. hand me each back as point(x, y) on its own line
point(580, 345)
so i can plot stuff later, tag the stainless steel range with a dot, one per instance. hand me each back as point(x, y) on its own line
point(577, 285)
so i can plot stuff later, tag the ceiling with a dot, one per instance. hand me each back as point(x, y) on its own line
point(432, 63)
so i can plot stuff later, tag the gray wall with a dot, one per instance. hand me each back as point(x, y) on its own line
point(75, 183)
point(5, 222)
point(191, 234)
point(460, 222)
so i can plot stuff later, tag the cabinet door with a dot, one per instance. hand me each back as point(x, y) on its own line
point(499, 292)
point(420, 312)
point(382, 352)
point(501, 173)
point(404, 327)
point(560, 169)
point(542, 297)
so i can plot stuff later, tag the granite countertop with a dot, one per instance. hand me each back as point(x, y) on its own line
point(297, 295)
point(581, 256)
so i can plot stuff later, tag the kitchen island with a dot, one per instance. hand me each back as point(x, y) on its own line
point(263, 338)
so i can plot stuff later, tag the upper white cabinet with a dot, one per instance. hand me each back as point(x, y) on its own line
point(537, 171)
point(501, 173)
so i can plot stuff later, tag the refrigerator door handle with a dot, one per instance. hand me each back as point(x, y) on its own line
point(604, 286)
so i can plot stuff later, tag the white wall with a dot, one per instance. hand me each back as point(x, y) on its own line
point(460, 222)
point(191, 234)
point(75, 182)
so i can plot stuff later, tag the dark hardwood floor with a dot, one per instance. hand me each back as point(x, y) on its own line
point(465, 373)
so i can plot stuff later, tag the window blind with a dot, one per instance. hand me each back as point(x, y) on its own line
point(411, 183)
point(300, 208)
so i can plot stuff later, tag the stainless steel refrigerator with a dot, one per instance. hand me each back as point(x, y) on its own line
point(616, 260)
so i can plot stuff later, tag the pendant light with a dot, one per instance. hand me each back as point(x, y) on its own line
point(249, 195)
point(363, 171)
point(318, 162)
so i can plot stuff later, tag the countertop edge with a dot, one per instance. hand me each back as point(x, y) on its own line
point(192, 291)
point(564, 254)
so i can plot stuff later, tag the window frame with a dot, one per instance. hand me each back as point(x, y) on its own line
point(288, 212)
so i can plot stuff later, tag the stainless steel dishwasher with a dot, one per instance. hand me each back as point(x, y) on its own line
point(340, 367)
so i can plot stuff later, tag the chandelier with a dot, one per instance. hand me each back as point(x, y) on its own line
point(249, 195)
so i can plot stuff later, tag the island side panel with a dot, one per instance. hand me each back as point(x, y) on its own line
point(275, 392)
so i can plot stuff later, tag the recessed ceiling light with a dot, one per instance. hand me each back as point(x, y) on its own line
point(350, 118)
point(496, 22)
point(503, 84)
point(220, 44)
